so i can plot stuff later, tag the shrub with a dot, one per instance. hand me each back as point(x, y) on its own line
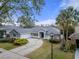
point(55, 41)
point(4, 40)
point(68, 46)
point(20, 41)
point(11, 40)
point(72, 47)
point(62, 47)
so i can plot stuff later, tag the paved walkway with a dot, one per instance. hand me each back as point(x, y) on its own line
point(77, 54)
point(9, 55)
point(31, 46)
point(20, 52)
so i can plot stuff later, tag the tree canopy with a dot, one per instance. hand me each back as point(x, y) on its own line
point(26, 21)
point(8, 8)
point(67, 17)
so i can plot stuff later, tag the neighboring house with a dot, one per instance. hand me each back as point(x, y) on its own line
point(14, 31)
point(75, 36)
point(36, 32)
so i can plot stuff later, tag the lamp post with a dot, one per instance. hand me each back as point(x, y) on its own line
point(51, 39)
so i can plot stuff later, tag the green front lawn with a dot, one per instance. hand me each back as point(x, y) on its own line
point(10, 44)
point(44, 52)
point(59, 54)
point(7, 45)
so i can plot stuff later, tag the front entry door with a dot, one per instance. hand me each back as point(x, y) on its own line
point(41, 34)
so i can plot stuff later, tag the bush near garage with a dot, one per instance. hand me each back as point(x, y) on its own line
point(20, 41)
point(72, 47)
point(68, 46)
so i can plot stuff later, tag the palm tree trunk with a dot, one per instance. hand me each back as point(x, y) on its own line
point(66, 35)
point(63, 41)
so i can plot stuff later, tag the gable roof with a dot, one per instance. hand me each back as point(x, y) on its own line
point(74, 36)
point(21, 30)
point(13, 30)
point(48, 29)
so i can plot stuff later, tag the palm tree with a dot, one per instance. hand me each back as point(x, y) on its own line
point(67, 17)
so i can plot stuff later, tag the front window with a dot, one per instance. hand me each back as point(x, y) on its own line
point(34, 34)
point(2, 33)
point(14, 35)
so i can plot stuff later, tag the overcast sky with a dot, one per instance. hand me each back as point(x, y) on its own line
point(52, 9)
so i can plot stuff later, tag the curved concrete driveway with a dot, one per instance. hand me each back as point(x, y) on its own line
point(18, 53)
point(28, 48)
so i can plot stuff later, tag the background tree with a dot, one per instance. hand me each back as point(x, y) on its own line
point(71, 30)
point(8, 8)
point(26, 21)
point(67, 17)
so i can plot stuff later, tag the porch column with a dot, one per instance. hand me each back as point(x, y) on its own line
point(59, 36)
point(4, 35)
point(38, 34)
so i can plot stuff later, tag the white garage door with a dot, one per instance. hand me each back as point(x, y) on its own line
point(25, 36)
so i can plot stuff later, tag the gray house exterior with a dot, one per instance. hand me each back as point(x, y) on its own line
point(45, 32)
point(35, 32)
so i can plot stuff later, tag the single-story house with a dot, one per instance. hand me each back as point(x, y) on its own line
point(14, 31)
point(45, 32)
point(36, 32)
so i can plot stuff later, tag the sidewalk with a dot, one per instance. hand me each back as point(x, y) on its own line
point(77, 54)
point(9, 55)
